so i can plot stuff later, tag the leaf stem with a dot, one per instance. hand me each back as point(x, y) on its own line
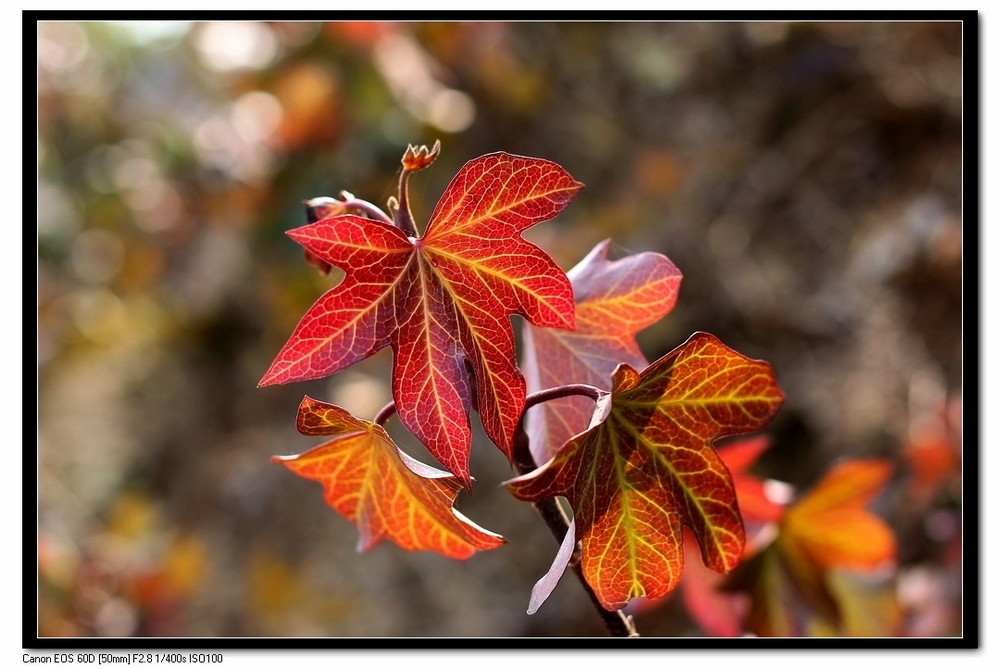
point(568, 390)
point(403, 219)
point(321, 207)
point(616, 622)
point(365, 207)
point(384, 414)
point(414, 160)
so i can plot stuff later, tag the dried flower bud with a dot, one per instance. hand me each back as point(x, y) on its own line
point(319, 208)
point(418, 158)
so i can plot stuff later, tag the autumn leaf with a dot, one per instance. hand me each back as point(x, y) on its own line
point(756, 505)
point(647, 467)
point(614, 301)
point(868, 606)
point(933, 452)
point(831, 526)
point(828, 530)
point(441, 301)
point(383, 491)
point(718, 612)
point(317, 209)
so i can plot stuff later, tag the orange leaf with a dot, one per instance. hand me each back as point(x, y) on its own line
point(830, 527)
point(792, 581)
point(383, 491)
point(647, 467)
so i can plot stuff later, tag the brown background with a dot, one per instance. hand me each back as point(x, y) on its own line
point(805, 178)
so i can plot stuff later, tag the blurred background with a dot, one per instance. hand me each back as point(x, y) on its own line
point(805, 178)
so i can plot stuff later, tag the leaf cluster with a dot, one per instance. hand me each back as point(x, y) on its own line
point(629, 445)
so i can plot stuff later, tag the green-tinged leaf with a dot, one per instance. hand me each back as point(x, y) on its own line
point(776, 607)
point(868, 606)
point(647, 467)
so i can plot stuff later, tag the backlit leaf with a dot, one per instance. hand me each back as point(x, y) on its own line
point(826, 532)
point(614, 301)
point(831, 526)
point(441, 301)
point(383, 491)
point(756, 506)
point(718, 612)
point(648, 467)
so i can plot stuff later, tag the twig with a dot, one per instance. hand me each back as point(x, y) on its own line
point(617, 623)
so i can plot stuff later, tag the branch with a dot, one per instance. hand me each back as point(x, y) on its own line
point(617, 623)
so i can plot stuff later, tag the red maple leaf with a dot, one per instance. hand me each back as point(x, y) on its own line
point(382, 490)
point(614, 301)
point(647, 467)
point(442, 301)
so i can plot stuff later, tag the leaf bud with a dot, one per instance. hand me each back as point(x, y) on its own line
point(418, 158)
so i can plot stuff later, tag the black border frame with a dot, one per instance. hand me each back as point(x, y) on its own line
point(971, 204)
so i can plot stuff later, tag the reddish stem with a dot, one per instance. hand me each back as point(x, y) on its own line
point(401, 212)
point(365, 207)
point(569, 390)
point(384, 414)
